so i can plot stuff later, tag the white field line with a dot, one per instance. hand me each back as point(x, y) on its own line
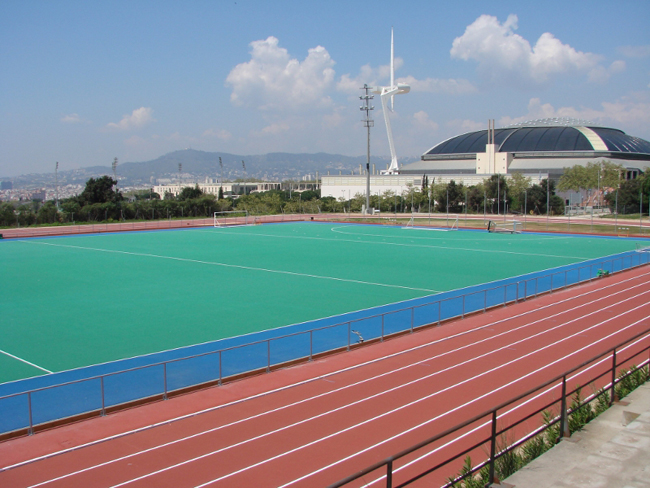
point(387, 236)
point(350, 368)
point(470, 249)
point(452, 410)
point(24, 361)
point(266, 434)
point(236, 266)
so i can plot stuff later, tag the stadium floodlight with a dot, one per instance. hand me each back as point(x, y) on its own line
point(385, 93)
point(368, 123)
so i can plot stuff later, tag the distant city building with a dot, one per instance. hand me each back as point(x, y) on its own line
point(211, 186)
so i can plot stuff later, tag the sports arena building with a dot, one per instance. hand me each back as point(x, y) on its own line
point(537, 149)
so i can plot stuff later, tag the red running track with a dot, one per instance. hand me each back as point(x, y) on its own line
point(315, 423)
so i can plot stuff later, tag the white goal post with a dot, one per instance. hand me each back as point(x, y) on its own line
point(511, 227)
point(228, 218)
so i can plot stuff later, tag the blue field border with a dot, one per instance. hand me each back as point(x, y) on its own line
point(22, 410)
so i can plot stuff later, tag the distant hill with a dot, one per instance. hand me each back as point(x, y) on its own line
point(199, 164)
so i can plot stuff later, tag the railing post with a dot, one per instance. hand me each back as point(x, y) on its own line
point(439, 308)
point(505, 296)
point(564, 418)
point(484, 301)
point(389, 474)
point(220, 370)
point(612, 397)
point(165, 380)
point(382, 327)
point(463, 311)
point(103, 412)
point(349, 325)
point(551, 282)
point(268, 355)
point(517, 291)
point(412, 318)
point(30, 431)
point(493, 448)
point(525, 290)
point(565, 279)
point(311, 344)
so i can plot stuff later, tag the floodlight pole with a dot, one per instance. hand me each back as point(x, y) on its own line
point(367, 123)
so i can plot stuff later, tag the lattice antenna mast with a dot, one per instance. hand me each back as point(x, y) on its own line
point(387, 92)
point(114, 165)
point(56, 183)
point(368, 123)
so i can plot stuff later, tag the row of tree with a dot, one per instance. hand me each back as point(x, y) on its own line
point(102, 202)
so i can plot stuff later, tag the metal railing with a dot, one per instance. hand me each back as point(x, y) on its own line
point(491, 417)
point(27, 409)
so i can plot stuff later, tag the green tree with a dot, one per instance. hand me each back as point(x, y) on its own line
point(99, 190)
point(496, 187)
point(189, 193)
point(518, 185)
point(7, 214)
point(47, 214)
point(26, 215)
point(576, 178)
point(629, 195)
point(475, 198)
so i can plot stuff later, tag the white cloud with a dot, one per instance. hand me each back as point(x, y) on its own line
point(135, 142)
point(600, 74)
point(274, 129)
point(368, 75)
point(274, 80)
point(71, 119)
point(220, 134)
point(139, 118)
point(422, 122)
point(505, 56)
point(635, 51)
point(461, 126)
point(434, 85)
point(631, 111)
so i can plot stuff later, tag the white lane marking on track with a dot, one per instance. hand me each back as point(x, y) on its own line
point(266, 434)
point(449, 411)
point(285, 427)
point(25, 361)
point(517, 407)
point(350, 368)
point(237, 266)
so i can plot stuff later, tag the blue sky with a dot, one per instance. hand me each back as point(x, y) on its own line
point(82, 82)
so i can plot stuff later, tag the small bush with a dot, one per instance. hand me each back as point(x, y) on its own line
point(471, 480)
point(553, 431)
point(509, 462)
point(535, 447)
point(580, 414)
point(602, 401)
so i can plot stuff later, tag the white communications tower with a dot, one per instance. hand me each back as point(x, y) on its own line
point(390, 91)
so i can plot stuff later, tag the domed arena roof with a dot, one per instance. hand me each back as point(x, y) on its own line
point(547, 136)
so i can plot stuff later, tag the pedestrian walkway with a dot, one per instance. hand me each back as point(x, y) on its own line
point(611, 451)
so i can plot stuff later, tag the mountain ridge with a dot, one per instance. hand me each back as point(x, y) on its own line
point(275, 166)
